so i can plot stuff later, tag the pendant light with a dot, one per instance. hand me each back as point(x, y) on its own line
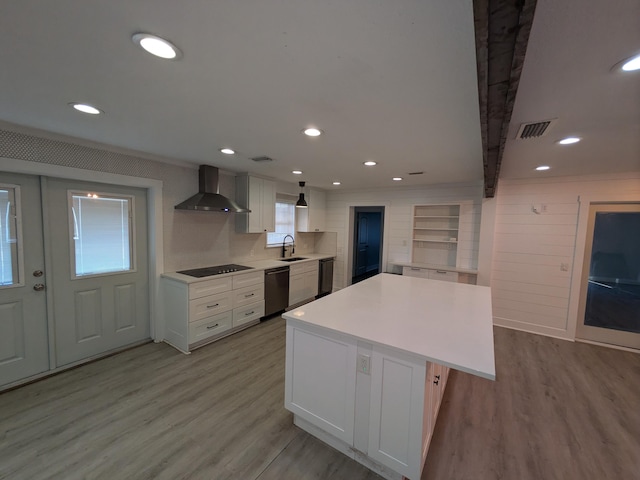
point(301, 203)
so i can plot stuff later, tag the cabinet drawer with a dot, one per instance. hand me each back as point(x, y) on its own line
point(210, 326)
point(248, 313)
point(211, 305)
point(209, 287)
point(443, 275)
point(246, 279)
point(415, 272)
point(248, 295)
point(298, 268)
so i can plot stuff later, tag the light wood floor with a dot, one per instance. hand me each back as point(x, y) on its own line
point(558, 410)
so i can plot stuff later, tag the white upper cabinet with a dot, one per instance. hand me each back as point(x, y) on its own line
point(259, 196)
point(312, 218)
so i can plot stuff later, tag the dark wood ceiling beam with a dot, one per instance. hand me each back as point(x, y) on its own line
point(502, 30)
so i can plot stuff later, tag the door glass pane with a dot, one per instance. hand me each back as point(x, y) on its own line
point(101, 233)
point(8, 237)
point(613, 294)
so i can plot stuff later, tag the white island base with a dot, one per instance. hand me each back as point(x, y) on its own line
point(357, 373)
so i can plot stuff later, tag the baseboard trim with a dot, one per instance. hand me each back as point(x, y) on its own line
point(531, 328)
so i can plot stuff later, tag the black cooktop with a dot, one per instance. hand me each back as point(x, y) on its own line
point(217, 270)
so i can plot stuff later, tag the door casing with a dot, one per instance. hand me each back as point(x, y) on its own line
point(154, 217)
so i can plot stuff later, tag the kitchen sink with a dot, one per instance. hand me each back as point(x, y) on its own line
point(292, 259)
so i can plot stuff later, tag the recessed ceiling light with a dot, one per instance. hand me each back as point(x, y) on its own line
point(397, 179)
point(156, 46)
point(370, 163)
point(630, 64)
point(569, 140)
point(542, 168)
point(312, 132)
point(227, 151)
point(86, 108)
point(297, 172)
point(336, 183)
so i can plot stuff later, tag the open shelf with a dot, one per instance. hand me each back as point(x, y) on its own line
point(435, 234)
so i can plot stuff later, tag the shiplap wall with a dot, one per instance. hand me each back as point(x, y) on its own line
point(399, 202)
point(530, 289)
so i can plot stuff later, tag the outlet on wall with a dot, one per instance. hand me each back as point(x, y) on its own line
point(363, 364)
point(564, 267)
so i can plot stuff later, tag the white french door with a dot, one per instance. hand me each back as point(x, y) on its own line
point(94, 239)
point(100, 275)
point(24, 344)
point(610, 287)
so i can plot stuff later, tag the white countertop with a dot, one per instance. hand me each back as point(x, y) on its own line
point(254, 264)
point(431, 266)
point(444, 322)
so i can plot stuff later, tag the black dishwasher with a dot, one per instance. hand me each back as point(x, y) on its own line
point(276, 290)
point(325, 278)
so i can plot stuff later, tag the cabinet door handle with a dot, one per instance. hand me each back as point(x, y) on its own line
point(441, 271)
point(250, 295)
point(249, 313)
point(415, 269)
point(213, 326)
point(213, 306)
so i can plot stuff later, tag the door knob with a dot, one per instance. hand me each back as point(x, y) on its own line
point(38, 287)
point(38, 273)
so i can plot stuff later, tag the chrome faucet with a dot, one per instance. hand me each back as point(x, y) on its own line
point(293, 246)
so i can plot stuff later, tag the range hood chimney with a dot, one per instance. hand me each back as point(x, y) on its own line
point(208, 198)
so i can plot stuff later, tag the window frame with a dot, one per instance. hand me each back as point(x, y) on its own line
point(132, 233)
point(290, 200)
point(19, 238)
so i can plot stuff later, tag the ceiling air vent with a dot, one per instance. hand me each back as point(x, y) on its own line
point(535, 129)
point(416, 173)
point(262, 159)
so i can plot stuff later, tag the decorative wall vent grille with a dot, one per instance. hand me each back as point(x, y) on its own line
point(535, 129)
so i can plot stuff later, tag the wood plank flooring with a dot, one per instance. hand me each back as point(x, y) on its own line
point(558, 410)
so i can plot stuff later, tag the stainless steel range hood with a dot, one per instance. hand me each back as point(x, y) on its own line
point(208, 198)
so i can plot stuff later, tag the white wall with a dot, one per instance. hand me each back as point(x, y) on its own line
point(399, 202)
point(190, 239)
point(530, 289)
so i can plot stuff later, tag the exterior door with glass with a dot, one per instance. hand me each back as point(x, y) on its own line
point(100, 271)
point(610, 287)
point(24, 344)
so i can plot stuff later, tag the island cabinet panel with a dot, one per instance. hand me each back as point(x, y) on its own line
point(381, 415)
point(320, 385)
point(397, 401)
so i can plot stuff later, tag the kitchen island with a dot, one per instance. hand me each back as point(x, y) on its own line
point(366, 366)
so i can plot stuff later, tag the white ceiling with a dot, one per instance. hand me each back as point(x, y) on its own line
point(391, 81)
point(567, 75)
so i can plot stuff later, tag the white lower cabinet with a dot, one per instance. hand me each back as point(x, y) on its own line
point(303, 281)
point(204, 311)
point(383, 419)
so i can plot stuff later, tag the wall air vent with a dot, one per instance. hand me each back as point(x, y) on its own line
point(262, 159)
point(535, 129)
point(415, 173)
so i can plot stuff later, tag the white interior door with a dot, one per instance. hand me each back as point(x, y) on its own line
point(24, 349)
point(100, 274)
